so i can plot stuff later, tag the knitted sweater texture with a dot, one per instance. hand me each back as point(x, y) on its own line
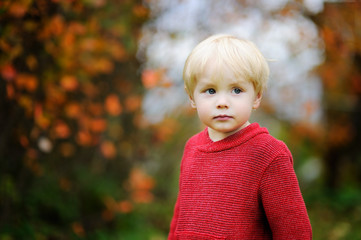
point(241, 187)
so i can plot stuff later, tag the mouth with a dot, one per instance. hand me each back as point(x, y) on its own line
point(222, 117)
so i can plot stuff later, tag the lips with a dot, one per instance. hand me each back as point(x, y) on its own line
point(222, 117)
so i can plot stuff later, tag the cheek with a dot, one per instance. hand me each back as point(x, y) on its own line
point(203, 110)
point(244, 109)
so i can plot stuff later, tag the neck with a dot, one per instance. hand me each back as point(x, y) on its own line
point(218, 136)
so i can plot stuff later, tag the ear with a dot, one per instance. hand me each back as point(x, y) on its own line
point(193, 104)
point(257, 101)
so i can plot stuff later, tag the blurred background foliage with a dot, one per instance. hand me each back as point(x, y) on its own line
point(78, 158)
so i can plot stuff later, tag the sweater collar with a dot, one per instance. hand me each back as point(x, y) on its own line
point(207, 145)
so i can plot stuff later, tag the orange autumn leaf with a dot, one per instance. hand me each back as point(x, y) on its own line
point(96, 109)
point(112, 206)
point(133, 103)
point(141, 196)
point(54, 27)
point(5, 46)
point(140, 185)
point(76, 28)
point(139, 180)
point(24, 141)
point(31, 84)
point(90, 90)
point(340, 134)
point(98, 125)
point(32, 163)
point(124, 87)
point(55, 95)
point(140, 121)
point(69, 83)
point(43, 122)
point(140, 11)
point(73, 110)
point(89, 44)
point(356, 83)
point(10, 91)
point(166, 129)
point(117, 51)
point(93, 25)
point(68, 41)
point(18, 9)
point(125, 206)
point(108, 215)
point(97, 3)
point(38, 110)
point(103, 65)
point(27, 103)
point(150, 78)
point(84, 121)
point(57, 25)
point(97, 65)
point(8, 72)
point(167, 84)
point(34, 166)
point(118, 29)
point(40, 119)
point(31, 154)
point(328, 36)
point(109, 202)
point(112, 105)
point(310, 107)
point(84, 138)
point(62, 130)
point(305, 130)
point(108, 149)
point(26, 81)
point(78, 229)
point(31, 62)
point(67, 149)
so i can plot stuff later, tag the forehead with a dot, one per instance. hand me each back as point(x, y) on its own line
point(215, 72)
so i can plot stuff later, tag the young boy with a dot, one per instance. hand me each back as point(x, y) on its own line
point(236, 180)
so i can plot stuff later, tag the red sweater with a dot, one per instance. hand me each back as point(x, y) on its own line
point(242, 187)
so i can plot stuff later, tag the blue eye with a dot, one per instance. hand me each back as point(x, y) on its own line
point(237, 90)
point(211, 91)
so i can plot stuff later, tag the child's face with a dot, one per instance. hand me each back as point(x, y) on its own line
point(224, 105)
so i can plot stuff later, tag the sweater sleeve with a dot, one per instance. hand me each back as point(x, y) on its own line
point(283, 202)
point(173, 223)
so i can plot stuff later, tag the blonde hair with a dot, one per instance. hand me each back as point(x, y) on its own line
point(241, 56)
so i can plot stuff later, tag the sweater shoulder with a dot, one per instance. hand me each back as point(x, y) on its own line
point(267, 145)
point(195, 140)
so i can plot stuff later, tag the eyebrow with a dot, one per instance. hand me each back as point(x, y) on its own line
point(206, 84)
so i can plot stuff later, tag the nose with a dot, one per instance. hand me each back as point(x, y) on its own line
point(222, 101)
